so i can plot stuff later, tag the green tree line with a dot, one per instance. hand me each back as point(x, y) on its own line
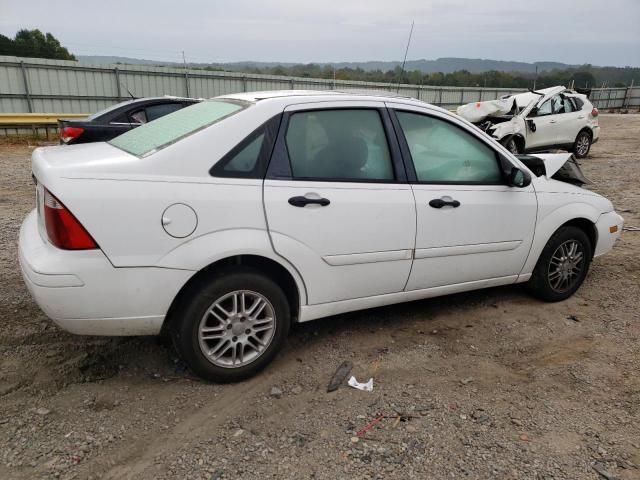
point(35, 44)
point(583, 76)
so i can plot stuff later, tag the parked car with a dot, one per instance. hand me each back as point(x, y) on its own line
point(117, 119)
point(553, 118)
point(225, 222)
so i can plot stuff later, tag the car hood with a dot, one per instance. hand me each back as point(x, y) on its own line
point(556, 166)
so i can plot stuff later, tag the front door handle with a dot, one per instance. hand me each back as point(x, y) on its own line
point(439, 203)
point(304, 201)
point(552, 121)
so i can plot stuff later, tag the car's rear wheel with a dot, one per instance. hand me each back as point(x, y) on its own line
point(582, 144)
point(511, 145)
point(232, 325)
point(562, 266)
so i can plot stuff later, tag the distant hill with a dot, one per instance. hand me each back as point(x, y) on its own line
point(444, 65)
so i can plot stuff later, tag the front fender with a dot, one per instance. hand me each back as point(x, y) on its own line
point(204, 250)
point(550, 221)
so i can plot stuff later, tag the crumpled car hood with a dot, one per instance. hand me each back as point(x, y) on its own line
point(556, 166)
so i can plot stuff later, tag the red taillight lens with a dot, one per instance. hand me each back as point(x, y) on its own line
point(63, 228)
point(69, 133)
point(594, 112)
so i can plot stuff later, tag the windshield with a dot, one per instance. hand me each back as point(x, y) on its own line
point(166, 130)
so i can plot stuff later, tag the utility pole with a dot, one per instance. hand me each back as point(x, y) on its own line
point(186, 74)
point(535, 79)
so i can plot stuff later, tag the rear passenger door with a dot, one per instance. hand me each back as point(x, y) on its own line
point(337, 203)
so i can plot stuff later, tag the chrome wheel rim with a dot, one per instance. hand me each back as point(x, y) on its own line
point(583, 144)
point(237, 329)
point(565, 266)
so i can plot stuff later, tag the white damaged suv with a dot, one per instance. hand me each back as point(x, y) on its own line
point(226, 221)
point(551, 118)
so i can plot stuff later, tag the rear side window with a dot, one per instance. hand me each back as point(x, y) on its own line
point(166, 130)
point(444, 153)
point(346, 144)
point(579, 103)
point(157, 111)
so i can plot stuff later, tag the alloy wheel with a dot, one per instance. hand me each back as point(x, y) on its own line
point(582, 145)
point(565, 266)
point(236, 329)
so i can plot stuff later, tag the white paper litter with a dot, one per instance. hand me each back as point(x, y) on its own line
point(367, 387)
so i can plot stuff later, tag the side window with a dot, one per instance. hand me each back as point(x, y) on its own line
point(568, 105)
point(557, 103)
point(157, 111)
point(578, 102)
point(444, 153)
point(544, 109)
point(245, 159)
point(138, 116)
point(345, 144)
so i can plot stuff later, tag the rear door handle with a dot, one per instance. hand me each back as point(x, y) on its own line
point(304, 201)
point(439, 203)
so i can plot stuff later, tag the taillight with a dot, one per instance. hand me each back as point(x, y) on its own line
point(70, 133)
point(594, 112)
point(63, 229)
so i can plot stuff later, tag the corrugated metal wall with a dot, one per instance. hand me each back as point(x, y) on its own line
point(58, 86)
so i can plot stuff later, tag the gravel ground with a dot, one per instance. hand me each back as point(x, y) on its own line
point(489, 384)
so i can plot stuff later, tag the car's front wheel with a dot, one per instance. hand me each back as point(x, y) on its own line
point(582, 144)
point(562, 266)
point(232, 325)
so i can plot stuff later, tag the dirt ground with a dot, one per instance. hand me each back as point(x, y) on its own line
point(492, 384)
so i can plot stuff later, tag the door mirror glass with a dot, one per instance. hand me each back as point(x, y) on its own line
point(518, 178)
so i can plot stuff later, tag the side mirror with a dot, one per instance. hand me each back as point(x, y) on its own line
point(518, 178)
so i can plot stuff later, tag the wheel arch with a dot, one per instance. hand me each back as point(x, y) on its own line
point(267, 266)
point(581, 215)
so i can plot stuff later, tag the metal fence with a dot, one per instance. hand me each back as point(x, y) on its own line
point(29, 85)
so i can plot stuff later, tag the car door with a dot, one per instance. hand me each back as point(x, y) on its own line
point(545, 121)
point(569, 121)
point(337, 203)
point(471, 226)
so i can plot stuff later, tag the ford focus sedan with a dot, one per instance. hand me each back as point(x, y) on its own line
point(225, 222)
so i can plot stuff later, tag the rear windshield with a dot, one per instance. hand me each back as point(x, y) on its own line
point(166, 130)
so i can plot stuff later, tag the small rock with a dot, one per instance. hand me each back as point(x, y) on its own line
point(524, 437)
point(411, 429)
point(238, 432)
point(466, 381)
point(43, 411)
point(276, 392)
point(355, 439)
point(517, 422)
point(297, 390)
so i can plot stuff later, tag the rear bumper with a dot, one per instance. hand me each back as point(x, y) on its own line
point(607, 238)
point(596, 134)
point(84, 293)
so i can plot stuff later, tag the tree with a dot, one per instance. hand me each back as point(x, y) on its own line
point(34, 43)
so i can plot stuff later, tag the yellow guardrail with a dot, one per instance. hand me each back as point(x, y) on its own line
point(36, 118)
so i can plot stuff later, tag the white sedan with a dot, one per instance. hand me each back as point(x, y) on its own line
point(226, 221)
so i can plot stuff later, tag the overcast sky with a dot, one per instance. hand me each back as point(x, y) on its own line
point(592, 31)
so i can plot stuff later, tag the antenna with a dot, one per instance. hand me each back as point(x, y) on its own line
point(405, 56)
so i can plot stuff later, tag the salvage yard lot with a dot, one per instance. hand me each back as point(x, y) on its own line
point(494, 383)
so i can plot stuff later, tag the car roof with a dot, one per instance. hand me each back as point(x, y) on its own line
point(316, 94)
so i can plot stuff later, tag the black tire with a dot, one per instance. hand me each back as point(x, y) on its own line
point(190, 312)
point(511, 145)
point(582, 145)
point(542, 281)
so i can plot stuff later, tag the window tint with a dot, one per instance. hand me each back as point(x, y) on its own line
point(157, 111)
point(138, 116)
point(338, 144)
point(444, 153)
point(578, 102)
point(245, 160)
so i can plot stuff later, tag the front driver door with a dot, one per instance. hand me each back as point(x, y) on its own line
point(471, 225)
point(337, 204)
point(546, 127)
